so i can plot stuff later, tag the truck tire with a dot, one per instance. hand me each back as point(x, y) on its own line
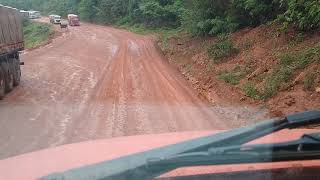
point(2, 84)
point(16, 71)
point(8, 75)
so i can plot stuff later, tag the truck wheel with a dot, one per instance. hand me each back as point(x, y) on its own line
point(8, 75)
point(2, 84)
point(16, 71)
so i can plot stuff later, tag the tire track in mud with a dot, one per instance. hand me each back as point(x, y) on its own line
point(98, 82)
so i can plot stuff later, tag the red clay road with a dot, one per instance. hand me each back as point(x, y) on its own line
point(97, 82)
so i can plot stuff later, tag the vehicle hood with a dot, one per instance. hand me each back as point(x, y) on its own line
point(41, 163)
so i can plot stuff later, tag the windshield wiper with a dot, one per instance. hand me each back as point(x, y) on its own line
point(222, 148)
point(306, 148)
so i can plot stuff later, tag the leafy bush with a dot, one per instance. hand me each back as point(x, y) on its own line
point(207, 17)
point(125, 21)
point(222, 48)
point(87, 10)
point(219, 25)
point(35, 33)
point(254, 12)
point(155, 14)
point(305, 14)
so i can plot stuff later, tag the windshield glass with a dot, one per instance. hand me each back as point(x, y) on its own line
point(80, 71)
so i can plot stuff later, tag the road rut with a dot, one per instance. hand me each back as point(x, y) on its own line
point(97, 82)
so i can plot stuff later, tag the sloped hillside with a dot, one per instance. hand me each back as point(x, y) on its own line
point(260, 66)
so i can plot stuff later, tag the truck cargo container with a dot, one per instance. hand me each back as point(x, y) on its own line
point(73, 20)
point(24, 14)
point(34, 14)
point(11, 42)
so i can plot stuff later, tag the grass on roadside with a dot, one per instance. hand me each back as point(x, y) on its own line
point(247, 44)
point(222, 48)
point(233, 77)
point(251, 91)
point(282, 75)
point(35, 33)
point(164, 34)
point(309, 81)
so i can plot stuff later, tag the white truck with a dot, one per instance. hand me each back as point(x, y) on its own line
point(34, 14)
point(55, 19)
point(24, 13)
point(11, 42)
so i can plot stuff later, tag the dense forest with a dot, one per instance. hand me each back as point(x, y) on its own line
point(199, 17)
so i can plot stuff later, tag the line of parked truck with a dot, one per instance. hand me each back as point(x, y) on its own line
point(73, 20)
point(30, 14)
point(12, 42)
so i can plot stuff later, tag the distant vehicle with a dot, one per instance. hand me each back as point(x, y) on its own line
point(24, 13)
point(55, 19)
point(34, 14)
point(11, 42)
point(73, 20)
point(63, 24)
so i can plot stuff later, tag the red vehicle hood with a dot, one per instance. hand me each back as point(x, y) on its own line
point(59, 159)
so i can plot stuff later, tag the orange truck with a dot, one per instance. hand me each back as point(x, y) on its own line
point(73, 20)
point(11, 42)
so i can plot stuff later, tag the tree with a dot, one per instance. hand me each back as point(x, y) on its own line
point(304, 15)
point(87, 10)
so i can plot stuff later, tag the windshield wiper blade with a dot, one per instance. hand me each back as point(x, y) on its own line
point(305, 148)
point(136, 166)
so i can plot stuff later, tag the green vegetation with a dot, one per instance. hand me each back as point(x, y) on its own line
point(251, 91)
point(304, 15)
point(230, 78)
point(199, 17)
point(165, 35)
point(222, 48)
point(207, 17)
point(289, 63)
point(35, 33)
point(247, 44)
point(234, 76)
point(189, 68)
point(279, 78)
point(309, 81)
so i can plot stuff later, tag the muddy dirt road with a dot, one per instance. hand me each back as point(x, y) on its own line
point(97, 82)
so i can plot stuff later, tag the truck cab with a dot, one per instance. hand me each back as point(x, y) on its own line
point(55, 19)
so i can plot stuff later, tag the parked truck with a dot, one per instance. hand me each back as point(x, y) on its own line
point(73, 20)
point(55, 19)
point(24, 13)
point(11, 42)
point(34, 14)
